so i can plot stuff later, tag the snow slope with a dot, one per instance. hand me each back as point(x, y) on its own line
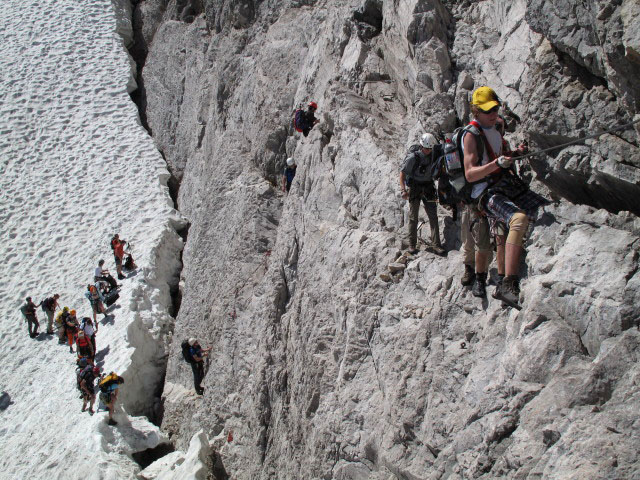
point(75, 167)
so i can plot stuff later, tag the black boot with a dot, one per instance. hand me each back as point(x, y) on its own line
point(480, 285)
point(496, 291)
point(469, 275)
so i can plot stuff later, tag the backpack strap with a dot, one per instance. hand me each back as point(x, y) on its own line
point(494, 177)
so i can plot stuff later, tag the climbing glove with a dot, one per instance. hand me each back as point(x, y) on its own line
point(504, 162)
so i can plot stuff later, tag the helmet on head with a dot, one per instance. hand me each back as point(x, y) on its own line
point(290, 162)
point(428, 141)
point(80, 333)
point(192, 341)
point(313, 105)
point(96, 370)
point(72, 312)
point(65, 309)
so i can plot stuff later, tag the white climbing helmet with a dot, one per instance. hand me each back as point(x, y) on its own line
point(428, 141)
point(290, 162)
point(192, 341)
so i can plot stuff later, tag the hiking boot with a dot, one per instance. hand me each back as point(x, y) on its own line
point(413, 250)
point(91, 412)
point(200, 391)
point(469, 276)
point(438, 250)
point(49, 332)
point(510, 291)
point(70, 349)
point(112, 422)
point(480, 285)
point(496, 291)
point(121, 277)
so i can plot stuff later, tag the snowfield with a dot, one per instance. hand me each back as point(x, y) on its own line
point(76, 167)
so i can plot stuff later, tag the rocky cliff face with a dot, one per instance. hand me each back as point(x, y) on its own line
point(321, 368)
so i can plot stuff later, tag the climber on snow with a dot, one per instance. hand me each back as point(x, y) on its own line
point(29, 312)
point(496, 192)
point(416, 186)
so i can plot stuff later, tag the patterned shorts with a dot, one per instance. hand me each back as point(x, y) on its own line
point(502, 208)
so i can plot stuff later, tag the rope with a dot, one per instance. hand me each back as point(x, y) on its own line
point(368, 81)
point(578, 140)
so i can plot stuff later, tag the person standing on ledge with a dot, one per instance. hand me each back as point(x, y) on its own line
point(416, 186)
point(496, 192)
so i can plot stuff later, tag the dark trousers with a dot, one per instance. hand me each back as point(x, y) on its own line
point(198, 374)
point(426, 194)
point(33, 326)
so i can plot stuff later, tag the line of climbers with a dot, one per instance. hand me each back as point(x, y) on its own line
point(476, 172)
point(103, 290)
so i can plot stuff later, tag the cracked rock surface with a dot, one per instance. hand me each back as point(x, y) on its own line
point(322, 368)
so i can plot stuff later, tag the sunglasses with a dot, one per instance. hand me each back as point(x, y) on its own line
point(495, 109)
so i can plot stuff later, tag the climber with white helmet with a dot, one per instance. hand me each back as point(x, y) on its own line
point(416, 185)
point(288, 174)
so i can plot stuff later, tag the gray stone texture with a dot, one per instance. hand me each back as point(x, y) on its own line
point(320, 367)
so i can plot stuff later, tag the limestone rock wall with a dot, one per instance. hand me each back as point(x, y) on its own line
point(320, 368)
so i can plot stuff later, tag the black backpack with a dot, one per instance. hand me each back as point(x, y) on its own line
point(186, 352)
point(47, 303)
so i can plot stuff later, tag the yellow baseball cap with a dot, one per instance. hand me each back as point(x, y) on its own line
point(485, 98)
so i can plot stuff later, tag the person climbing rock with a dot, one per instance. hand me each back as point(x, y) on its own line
point(49, 306)
point(304, 121)
point(29, 312)
point(109, 386)
point(71, 327)
point(86, 382)
point(496, 191)
point(197, 354)
point(416, 185)
point(288, 174)
point(117, 246)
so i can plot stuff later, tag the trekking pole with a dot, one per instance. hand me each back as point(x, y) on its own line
point(577, 140)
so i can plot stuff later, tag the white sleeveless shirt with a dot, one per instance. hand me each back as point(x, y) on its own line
point(495, 140)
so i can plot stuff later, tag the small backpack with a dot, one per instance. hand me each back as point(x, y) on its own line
point(299, 120)
point(186, 352)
